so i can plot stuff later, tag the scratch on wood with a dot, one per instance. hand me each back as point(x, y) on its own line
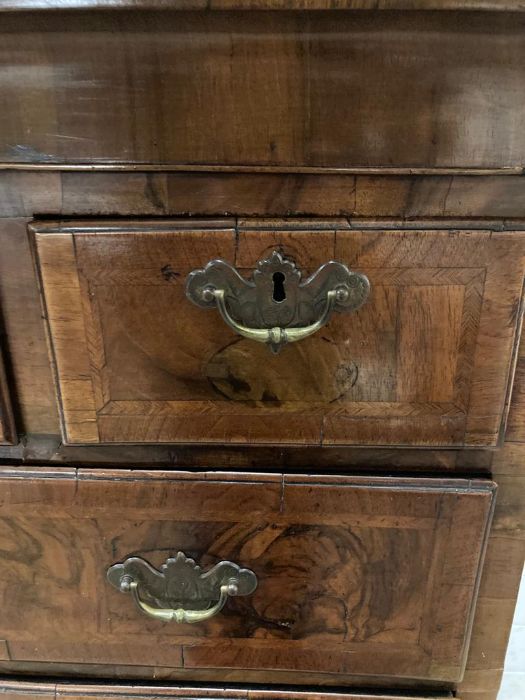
point(169, 273)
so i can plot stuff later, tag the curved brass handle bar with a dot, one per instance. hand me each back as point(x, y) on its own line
point(275, 337)
point(180, 614)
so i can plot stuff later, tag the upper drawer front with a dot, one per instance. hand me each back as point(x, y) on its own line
point(356, 577)
point(425, 361)
point(265, 89)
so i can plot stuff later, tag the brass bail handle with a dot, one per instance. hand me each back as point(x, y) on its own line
point(207, 592)
point(275, 337)
point(275, 306)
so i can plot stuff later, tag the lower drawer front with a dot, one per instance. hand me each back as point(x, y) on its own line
point(14, 690)
point(364, 577)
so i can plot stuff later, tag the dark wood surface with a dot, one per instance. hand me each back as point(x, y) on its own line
point(480, 5)
point(369, 576)
point(37, 449)
point(264, 89)
point(7, 426)
point(25, 342)
point(27, 193)
point(137, 362)
point(13, 690)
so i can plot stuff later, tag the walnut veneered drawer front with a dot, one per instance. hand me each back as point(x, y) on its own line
point(21, 690)
point(425, 360)
point(368, 577)
point(285, 89)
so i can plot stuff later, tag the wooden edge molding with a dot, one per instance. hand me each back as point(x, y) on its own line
point(116, 225)
point(292, 223)
point(41, 690)
point(420, 484)
point(35, 448)
point(103, 166)
point(469, 5)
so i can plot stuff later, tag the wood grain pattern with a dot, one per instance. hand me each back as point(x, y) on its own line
point(38, 448)
point(322, 89)
point(371, 576)
point(25, 343)
point(266, 679)
point(287, 194)
point(500, 580)
point(137, 363)
point(504, 560)
point(24, 193)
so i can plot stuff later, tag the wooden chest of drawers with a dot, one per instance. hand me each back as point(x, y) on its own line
point(262, 404)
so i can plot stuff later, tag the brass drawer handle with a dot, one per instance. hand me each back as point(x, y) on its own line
point(180, 591)
point(275, 307)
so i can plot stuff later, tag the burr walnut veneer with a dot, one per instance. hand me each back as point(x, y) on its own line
point(373, 577)
point(304, 479)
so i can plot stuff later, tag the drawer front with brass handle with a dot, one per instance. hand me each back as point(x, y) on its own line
point(163, 331)
point(230, 576)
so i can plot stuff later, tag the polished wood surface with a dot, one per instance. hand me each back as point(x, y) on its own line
point(27, 193)
point(325, 89)
point(136, 362)
point(366, 576)
point(262, 679)
point(15, 690)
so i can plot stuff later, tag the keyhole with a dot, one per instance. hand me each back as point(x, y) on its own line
point(279, 293)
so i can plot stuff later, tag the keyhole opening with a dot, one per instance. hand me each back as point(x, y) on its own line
point(279, 292)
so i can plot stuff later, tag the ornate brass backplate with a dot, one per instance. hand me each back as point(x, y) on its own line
point(275, 306)
point(180, 591)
